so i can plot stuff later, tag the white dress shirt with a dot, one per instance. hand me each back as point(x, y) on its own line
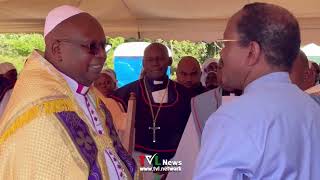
point(87, 104)
point(270, 132)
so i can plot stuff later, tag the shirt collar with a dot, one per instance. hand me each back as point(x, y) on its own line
point(159, 82)
point(276, 77)
point(75, 86)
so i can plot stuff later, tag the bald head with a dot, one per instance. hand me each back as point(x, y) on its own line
point(76, 47)
point(156, 47)
point(188, 72)
point(156, 61)
point(299, 68)
point(188, 61)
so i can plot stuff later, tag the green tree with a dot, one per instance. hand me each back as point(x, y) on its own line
point(114, 42)
point(200, 50)
point(15, 48)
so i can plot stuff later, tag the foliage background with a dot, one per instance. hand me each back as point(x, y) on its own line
point(15, 48)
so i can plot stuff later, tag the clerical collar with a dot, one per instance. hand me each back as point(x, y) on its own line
point(75, 86)
point(155, 82)
point(155, 85)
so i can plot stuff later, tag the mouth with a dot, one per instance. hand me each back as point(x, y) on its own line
point(96, 68)
point(189, 85)
point(157, 70)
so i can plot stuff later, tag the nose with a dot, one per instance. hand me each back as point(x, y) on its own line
point(189, 78)
point(156, 61)
point(101, 53)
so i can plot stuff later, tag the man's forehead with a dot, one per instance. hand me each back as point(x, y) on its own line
point(189, 69)
point(189, 66)
point(189, 63)
point(155, 49)
point(231, 28)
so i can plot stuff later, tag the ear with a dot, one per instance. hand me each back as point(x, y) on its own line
point(170, 61)
point(254, 53)
point(56, 51)
point(143, 62)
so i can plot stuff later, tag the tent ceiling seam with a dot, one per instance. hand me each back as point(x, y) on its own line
point(79, 3)
point(134, 15)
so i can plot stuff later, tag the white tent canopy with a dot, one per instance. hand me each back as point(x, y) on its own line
point(311, 50)
point(202, 20)
point(133, 49)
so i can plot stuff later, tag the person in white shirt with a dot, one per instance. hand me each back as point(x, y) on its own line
point(272, 130)
point(202, 106)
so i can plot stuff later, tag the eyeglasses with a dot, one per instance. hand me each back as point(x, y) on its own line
point(220, 43)
point(93, 47)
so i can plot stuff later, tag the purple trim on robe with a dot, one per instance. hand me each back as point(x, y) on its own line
point(114, 165)
point(122, 153)
point(85, 144)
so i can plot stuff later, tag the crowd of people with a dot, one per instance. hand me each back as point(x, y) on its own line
point(252, 114)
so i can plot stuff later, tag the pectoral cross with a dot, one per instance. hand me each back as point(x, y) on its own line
point(154, 128)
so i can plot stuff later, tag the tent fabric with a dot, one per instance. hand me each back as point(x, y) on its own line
point(202, 20)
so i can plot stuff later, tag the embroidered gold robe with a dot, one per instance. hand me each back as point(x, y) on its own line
point(44, 134)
